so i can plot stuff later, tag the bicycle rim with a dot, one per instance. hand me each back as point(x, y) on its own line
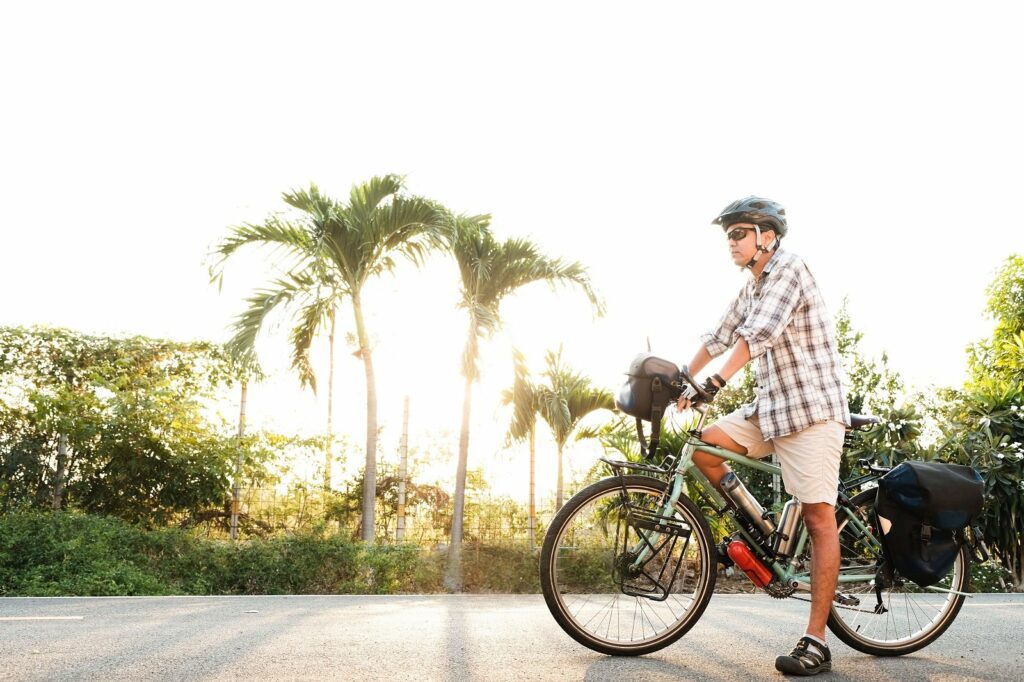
point(585, 574)
point(913, 617)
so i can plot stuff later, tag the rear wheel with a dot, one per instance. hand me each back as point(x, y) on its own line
point(619, 577)
point(913, 617)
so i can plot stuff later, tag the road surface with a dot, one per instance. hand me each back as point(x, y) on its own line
point(442, 637)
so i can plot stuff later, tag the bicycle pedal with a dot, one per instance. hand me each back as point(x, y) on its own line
point(723, 555)
point(846, 599)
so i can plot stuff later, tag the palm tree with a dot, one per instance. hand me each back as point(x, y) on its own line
point(308, 289)
point(564, 400)
point(491, 270)
point(353, 243)
point(523, 399)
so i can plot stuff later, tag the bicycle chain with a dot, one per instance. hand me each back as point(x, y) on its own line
point(834, 603)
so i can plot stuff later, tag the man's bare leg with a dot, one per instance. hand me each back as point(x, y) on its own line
point(820, 519)
point(714, 468)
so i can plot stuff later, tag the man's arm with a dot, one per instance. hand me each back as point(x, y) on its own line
point(739, 357)
point(700, 361)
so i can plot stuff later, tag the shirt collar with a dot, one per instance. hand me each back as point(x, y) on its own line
point(772, 261)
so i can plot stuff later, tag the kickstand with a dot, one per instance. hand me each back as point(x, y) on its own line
point(879, 581)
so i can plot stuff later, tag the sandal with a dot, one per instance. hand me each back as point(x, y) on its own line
point(808, 658)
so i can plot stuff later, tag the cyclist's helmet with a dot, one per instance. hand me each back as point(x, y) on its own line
point(758, 210)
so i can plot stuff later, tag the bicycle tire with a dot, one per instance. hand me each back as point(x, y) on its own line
point(578, 562)
point(915, 617)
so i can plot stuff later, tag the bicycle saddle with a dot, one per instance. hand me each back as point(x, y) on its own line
point(859, 420)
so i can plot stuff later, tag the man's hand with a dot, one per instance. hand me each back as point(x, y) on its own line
point(712, 385)
point(686, 399)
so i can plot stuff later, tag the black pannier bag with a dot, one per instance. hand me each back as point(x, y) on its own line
point(922, 509)
point(647, 393)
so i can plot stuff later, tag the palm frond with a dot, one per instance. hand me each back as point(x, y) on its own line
point(276, 232)
point(567, 396)
point(409, 226)
point(366, 197)
point(311, 201)
point(310, 321)
point(523, 398)
point(248, 324)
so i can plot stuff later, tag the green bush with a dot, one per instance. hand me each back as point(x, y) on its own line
point(510, 569)
point(986, 577)
point(69, 553)
point(49, 554)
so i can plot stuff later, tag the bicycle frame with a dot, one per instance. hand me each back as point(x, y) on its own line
point(786, 571)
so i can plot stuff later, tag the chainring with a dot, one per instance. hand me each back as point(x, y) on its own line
point(778, 590)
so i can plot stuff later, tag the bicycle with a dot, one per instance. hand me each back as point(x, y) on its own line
point(629, 564)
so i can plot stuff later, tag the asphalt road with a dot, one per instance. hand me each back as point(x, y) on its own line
point(470, 637)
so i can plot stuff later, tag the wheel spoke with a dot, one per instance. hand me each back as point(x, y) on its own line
point(913, 617)
point(603, 591)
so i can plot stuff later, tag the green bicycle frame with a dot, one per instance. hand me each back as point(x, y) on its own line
point(787, 571)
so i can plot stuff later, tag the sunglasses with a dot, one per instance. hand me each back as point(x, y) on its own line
point(737, 233)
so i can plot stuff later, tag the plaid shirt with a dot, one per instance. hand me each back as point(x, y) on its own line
point(784, 321)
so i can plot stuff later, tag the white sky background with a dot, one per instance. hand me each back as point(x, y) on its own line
point(132, 136)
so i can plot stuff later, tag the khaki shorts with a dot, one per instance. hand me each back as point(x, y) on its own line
point(809, 458)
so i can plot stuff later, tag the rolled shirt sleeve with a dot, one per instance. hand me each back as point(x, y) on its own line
point(772, 311)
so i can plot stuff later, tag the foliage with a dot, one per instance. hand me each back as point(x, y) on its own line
point(491, 270)
point(564, 399)
point(986, 431)
point(1000, 360)
point(984, 424)
point(50, 554)
point(523, 399)
point(309, 290)
point(872, 386)
point(338, 247)
point(566, 396)
point(115, 426)
point(894, 440)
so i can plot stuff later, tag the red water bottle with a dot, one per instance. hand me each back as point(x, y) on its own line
point(745, 559)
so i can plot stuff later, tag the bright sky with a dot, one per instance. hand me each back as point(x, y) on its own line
point(132, 135)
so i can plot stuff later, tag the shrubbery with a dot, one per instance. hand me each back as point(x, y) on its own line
point(69, 553)
point(75, 554)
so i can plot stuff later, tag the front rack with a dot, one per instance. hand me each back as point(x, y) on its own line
point(619, 466)
point(648, 556)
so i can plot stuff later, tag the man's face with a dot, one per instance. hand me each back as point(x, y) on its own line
point(743, 242)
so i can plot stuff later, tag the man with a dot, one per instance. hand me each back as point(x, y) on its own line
point(799, 409)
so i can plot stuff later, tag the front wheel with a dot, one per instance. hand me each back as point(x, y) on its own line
point(913, 617)
point(619, 576)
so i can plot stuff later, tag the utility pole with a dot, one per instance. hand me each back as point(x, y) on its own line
point(236, 491)
point(402, 471)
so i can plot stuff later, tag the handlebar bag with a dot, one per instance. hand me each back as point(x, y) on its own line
point(646, 393)
point(922, 509)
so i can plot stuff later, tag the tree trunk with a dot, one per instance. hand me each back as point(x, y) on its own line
point(533, 487)
point(236, 491)
point(558, 494)
point(370, 473)
point(403, 463)
point(453, 573)
point(61, 473)
point(1018, 574)
point(330, 405)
